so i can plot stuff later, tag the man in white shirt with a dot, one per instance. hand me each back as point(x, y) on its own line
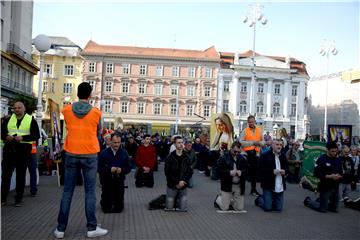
point(272, 170)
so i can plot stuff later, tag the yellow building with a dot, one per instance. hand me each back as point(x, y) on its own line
point(61, 74)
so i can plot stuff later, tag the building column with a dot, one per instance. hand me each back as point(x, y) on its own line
point(234, 94)
point(220, 91)
point(286, 98)
point(268, 97)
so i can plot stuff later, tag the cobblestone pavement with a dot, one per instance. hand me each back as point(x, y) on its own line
point(37, 218)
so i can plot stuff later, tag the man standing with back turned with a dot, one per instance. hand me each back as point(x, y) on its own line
point(81, 148)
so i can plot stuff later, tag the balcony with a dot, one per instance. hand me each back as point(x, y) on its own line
point(17, 87)
point(13, 48)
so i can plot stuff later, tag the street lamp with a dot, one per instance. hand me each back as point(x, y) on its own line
point(255, 14)
point(327, 48)
point(42, 44)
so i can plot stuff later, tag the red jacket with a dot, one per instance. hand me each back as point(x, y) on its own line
point(146, 156)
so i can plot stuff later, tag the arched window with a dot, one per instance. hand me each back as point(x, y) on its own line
point(276, 108)
point(259, 107)
point(243, 107)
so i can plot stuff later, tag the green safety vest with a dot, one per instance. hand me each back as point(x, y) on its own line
point(24, 128)
point(45, 143)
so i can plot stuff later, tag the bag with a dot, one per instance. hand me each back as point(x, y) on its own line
point(157, 203)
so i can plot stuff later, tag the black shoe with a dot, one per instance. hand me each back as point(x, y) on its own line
point(231, 208)
point(254, 193)
point(257, 201)
point(18, 204)
point(215, 203)
point(306, 201)
point(33, 194)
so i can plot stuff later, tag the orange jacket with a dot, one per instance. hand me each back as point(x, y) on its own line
point(81, 132)
point(249, 136)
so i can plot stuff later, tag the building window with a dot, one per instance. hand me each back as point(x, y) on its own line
point(108, 106)
point(294, 90)
point(67, 88)
point(143, 70)
point(141, 108)
point(52, 87)
point(242, 107)
point(126, 68)
point(92, 67)
point(208, 72)
point(173, 109)
point(259, 107)
point(157, 108)
point(142, 88)
point(277, 89)
point(108, 86)
point(189, 110)
point(191, 72)
point(206, 112)
point(226, 86)
point(124, 107)
point(175, 71)
point(159, 71)
point(225, 106)
point(207, 91)
point(125, 87)
point(69, 70)
point(243, 87)
point(92, 84)
point(276, 108)
point(48, 70)
point(174, 90)
point(45, 87)
point(109, 68)
point(293, 110)
point(261, 88)
point(191, 91)
point(158, 89)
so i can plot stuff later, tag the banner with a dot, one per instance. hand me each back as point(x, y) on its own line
point(312, 151)
point(55, 125)
point(340, 133)
point(221, 131)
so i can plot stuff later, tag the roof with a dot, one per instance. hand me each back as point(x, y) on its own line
point(95, 48)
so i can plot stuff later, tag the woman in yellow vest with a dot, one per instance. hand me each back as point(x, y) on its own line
point(18, 132)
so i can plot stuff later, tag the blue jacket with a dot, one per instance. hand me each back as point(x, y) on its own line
point(107, 160)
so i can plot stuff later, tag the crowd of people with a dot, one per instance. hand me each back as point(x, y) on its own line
point(272, 161)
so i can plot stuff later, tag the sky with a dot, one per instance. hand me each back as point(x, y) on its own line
point(296, 29)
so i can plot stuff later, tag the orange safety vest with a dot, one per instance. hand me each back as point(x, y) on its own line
point(249, 136)
point(33, 148)
point(81, 132)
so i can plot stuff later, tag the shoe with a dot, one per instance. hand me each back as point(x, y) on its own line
point(97, 232)
point(33, 194)
point(256, 201)
point(306, 201)
point(18, 204)
point(254, 193)
point(58, 234)
point(216, 205)
point(231, 208)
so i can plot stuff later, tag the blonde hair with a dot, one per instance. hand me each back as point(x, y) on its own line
point(223, 117)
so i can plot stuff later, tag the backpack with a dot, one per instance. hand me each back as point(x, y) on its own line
point(157, 203)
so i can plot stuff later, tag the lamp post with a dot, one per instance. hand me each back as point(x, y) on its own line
point(42, 44)
point(255, 14)
point(327, 48)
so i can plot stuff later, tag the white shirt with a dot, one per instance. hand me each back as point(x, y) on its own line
point(278, 179)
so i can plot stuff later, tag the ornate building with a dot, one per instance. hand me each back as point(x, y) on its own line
point(280, 97)
point(154, 88)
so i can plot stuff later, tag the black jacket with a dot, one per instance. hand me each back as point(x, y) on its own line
point(176, 172)
point(266, 169)
point(326, 165)
point(225, 165)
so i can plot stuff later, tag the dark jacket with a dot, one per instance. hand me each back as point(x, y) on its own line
point(326, 165)
point(348, 170)
point(177, 168)
point(225, 165)
point(107, 160)
point(266, 170)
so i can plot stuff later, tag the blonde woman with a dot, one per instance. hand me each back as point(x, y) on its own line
point(224, 133)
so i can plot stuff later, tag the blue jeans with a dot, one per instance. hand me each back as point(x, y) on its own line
point(32, 165)
point(329, 200)
point(271, 201)
point(178, 195)
point(89, 169)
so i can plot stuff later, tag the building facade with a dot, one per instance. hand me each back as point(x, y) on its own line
point(62, 72)
point(280, 92)
point(162, 90)
point(17, 67)
point(343, 101)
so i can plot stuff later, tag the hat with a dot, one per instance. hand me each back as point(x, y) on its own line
point(108, 133)
point(331, 145)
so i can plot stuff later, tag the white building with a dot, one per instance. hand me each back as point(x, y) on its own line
point(17, 68)
point(280, 97)
point(343, 102)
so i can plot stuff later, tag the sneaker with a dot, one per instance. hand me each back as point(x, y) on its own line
point(306, 201)
point(58, 234)
point(97, 232)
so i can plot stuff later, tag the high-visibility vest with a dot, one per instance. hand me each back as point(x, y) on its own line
point(249, 136)
point(24, 128)
point(81, 132)
point(33, 148)
point(45, 143)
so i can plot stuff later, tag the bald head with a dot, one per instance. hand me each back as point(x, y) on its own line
point(19, 109)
